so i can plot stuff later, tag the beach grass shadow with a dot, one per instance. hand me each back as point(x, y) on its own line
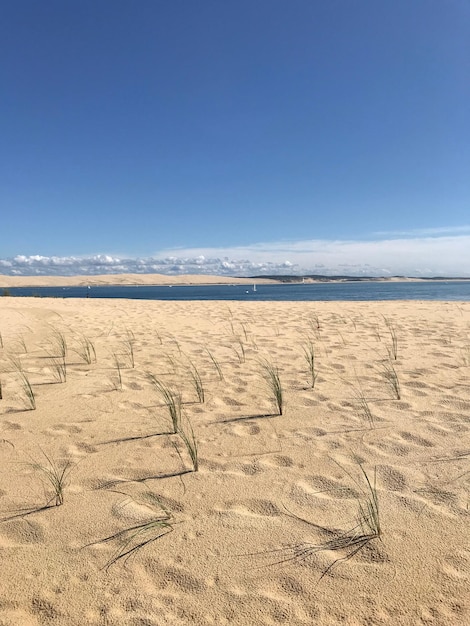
point(242, 418)
point(136, 438)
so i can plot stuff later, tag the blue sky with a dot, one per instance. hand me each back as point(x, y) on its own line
point(234, 136)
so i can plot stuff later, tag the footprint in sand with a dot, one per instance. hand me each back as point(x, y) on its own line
point(131, 511)
point(391, 478)
point(231, 402)
point(21, 532)
point(279, 461)
point(456, 568)
point(320, 486)
point(256, 508)
point(135, 386)
point(249, 469)
point(419, 441)
point(291, 586)
point(246, 429)
point(80, 449)
point(63, 429)
point(174, 577)
point(12, 426)
point(44, 609)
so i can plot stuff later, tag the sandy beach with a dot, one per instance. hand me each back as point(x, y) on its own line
point(120, 505)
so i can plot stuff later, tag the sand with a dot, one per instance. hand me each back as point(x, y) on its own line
point(124, 279)
point(250, 537)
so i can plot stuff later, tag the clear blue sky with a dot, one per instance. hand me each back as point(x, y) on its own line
point(233, 128)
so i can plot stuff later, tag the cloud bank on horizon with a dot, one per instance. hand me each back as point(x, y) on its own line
point(427, 253)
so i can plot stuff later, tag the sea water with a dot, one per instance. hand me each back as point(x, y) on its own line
point(355, 290)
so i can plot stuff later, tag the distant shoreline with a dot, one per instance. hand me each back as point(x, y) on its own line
point(115, 280)
point(356, 279)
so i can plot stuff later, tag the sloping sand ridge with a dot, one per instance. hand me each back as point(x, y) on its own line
point(279, 524)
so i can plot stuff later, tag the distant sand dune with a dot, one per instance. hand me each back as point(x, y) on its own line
point(122, 279)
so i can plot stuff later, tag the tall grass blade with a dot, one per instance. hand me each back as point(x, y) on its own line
point(216, 364)
point(197, 382)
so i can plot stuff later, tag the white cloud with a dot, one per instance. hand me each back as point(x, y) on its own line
point(427, 232)
point(434, 252)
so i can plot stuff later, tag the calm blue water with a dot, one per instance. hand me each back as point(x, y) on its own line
point(432, 290)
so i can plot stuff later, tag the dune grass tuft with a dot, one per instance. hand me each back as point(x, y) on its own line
point(364, 406)
point(216, 364)
point(171, 399)
point(270, 373)
point(28, 391)
point(55, 475)
point(189, 439)
point(129, 343)
point(117, 382)
point(21, 344)
point(59, 344)
point(59, 369)
point(367, 528)
point(137, 537)
point(390, 376)
point(314, 323)
point(393, 348)
point(309, 355)
point(240, 351)
point(197, 382)
point(86, 350)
